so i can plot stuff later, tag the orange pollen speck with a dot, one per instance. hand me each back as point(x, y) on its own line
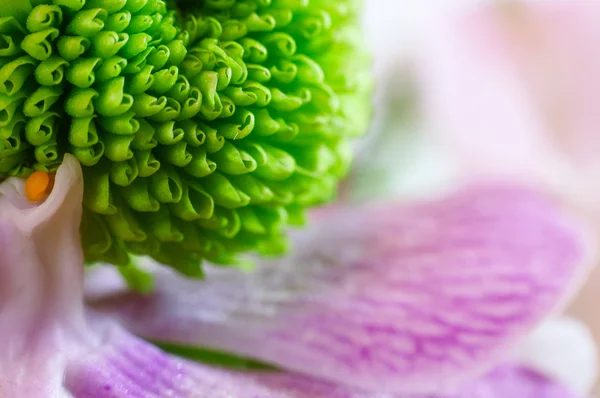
point(38, 185)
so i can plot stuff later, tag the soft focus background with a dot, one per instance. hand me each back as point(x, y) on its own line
point(411, 163)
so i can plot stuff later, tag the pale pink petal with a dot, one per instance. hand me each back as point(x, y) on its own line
point(397, 298)
point(41, 286)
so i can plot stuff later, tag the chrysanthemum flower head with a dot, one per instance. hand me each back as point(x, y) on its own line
point(204, 128)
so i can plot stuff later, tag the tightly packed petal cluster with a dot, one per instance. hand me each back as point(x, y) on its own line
point(204, 128)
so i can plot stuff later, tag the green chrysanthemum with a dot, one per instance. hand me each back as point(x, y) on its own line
point(204, 127)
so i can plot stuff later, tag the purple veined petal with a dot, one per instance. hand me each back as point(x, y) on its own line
point(127, 367)
point(395, 298)
point(502, 382)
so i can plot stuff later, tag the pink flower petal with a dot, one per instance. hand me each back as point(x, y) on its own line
point(128, 367)
point(393, 298)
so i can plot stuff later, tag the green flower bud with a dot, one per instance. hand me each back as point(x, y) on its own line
point(204, 128)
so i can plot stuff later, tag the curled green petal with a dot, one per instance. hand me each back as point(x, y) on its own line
point(124, 225)
point(136, 44)
point(168, 133)
point(234, 160)
point(134, 6)
point(81, 72)
point(97, 195)
point(254, 51)
point(41, 101)
point(309, 72)
point(71, 47)
point(13, 145)
point(258, 192)
point(51, 71)
point(8, 47)
point(80, 102)
point(11, 125)
point(144, 137)
point(96, 238)
point(14, 74)
point(200, 166)
point(176, 155)
point(177, 51)
point(241, 96)
point(147, 163)
point(170, 111)
point(193, 133)
point(260, 23)
point(284, 71)
point(140, 82)
point(237, 131)
point(124, 124)
point(164, 80)
point(8, 109)
point(262, 93)
point(44, 16)
point(225, 222)
point(163, 228)
point(166, 185)
point(11, 162)
point(146, 105)
point(87, 23)
point(106, 44)
point(224, 192)
point(39, 44)
point(124, 173)
point(137, 63)
point(279, 165)
point(181, 89)
point(214, 140)
point(191, 106)
point(137, 196)
point(118, 147)
point(41, 129)
point(159, 56)
point(118, 22)
point(47, 153)
point(258, 73)
point(83, 132)
point(89, 156)
point(227, 107)
point(195, 203)
point(110, 68)
point(139, 23)
point(112, 100)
